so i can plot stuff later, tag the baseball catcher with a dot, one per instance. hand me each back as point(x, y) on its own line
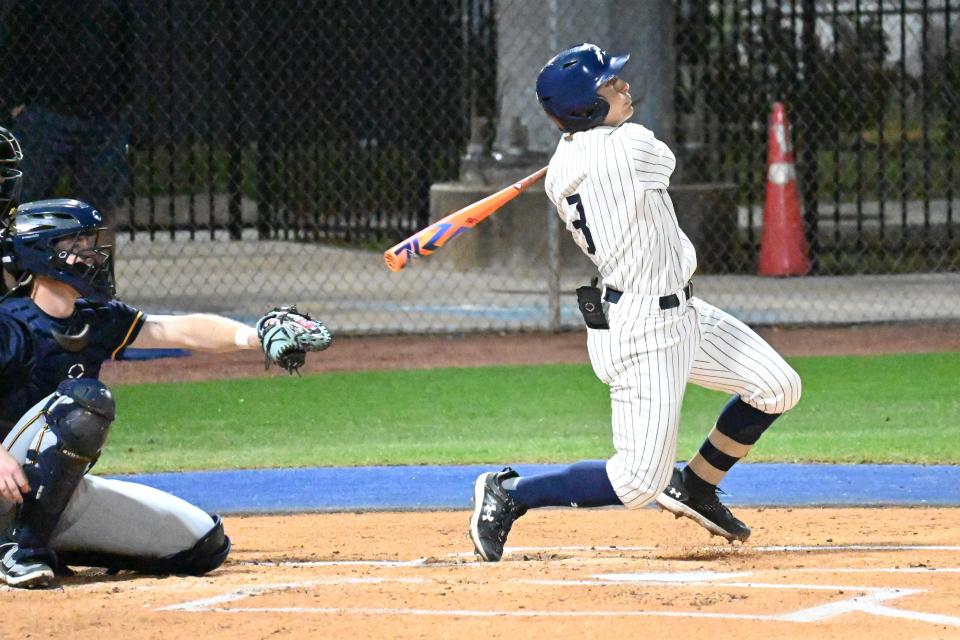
point(55, 414)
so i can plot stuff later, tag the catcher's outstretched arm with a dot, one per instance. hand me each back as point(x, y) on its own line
point(197, 332)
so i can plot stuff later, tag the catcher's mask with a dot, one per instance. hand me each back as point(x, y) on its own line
point(10, 175)
point(59, 239)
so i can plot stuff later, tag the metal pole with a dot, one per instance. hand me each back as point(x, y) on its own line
point(553, 268)
point(810, 149)
point(553, 221)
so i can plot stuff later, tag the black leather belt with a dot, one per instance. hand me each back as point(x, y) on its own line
point(671, 301)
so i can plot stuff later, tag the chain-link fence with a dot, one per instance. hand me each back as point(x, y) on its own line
point(277, 149)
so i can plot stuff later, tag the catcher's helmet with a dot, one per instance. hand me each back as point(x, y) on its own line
point(10, 175)
point(58, 239)
point(567, 86)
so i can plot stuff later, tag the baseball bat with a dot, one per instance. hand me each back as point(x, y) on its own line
point(431, 238)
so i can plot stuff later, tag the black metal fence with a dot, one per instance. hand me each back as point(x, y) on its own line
point(873, 91)
point(314, 119)
point(325, 122)
point(305, 118)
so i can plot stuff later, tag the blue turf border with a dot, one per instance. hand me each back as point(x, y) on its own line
point(450, 487)
point(154, 354)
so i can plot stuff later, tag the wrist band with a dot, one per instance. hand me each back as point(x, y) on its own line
point(242, 337)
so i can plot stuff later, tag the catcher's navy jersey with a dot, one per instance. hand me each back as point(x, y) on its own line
point(32, 363)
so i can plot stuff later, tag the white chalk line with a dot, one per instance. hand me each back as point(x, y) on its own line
point(867, 601)
point(385, 564)
point(204, 604)
point(653, 580)
point(660, 577)
point(473, 613)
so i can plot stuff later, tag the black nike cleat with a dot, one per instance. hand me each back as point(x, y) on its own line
point(493, 514)
point(25, 568)
point(706, 510)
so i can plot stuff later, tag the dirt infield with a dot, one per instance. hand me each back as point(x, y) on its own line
point(810, 573)
point(406, 352)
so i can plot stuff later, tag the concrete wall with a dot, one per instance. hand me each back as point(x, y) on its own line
point(530, 32)
point(513, 238)
point(516, 237)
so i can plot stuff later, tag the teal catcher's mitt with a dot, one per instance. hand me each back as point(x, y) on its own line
point(287, 335)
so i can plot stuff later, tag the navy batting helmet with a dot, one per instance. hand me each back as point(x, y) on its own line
point(567, 86)
point(58, 239)
point(10, 175)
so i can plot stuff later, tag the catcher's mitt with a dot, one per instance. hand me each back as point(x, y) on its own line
point(287, 334)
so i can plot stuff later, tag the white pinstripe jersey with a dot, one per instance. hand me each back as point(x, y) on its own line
point(609, 185)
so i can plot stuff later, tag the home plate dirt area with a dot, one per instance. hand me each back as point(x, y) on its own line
point(610, 573)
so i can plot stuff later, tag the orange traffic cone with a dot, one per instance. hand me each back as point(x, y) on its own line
point(783, 246)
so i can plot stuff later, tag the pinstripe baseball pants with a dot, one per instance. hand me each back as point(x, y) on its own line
point(648, 356)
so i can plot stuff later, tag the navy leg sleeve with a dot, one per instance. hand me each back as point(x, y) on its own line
point(584, 484)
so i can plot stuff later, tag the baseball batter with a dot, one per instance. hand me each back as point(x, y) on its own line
point(58, 327)
point(647, 335)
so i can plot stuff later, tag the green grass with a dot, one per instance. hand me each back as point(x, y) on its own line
point(855, 409)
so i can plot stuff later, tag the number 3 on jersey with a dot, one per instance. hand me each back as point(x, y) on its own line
point(581, 223)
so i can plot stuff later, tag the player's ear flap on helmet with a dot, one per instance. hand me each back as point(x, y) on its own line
point(555, 120)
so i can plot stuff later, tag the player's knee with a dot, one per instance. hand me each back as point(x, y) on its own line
point(80, 413)
point(793, 389)
point(207, 554)
point(780, 394)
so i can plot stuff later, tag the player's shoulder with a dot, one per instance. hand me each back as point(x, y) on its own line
point(580, 148)
point(568, 167)
point(19, 311)
point(112, 304)
point(559, 158)
point(633, 132)
point(105, 311)
point(652, 158)
point(602, 140)
point(8, 315)
point(17, 316)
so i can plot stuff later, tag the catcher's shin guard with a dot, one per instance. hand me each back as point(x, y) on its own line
point(78, 415)
point(203, 557)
